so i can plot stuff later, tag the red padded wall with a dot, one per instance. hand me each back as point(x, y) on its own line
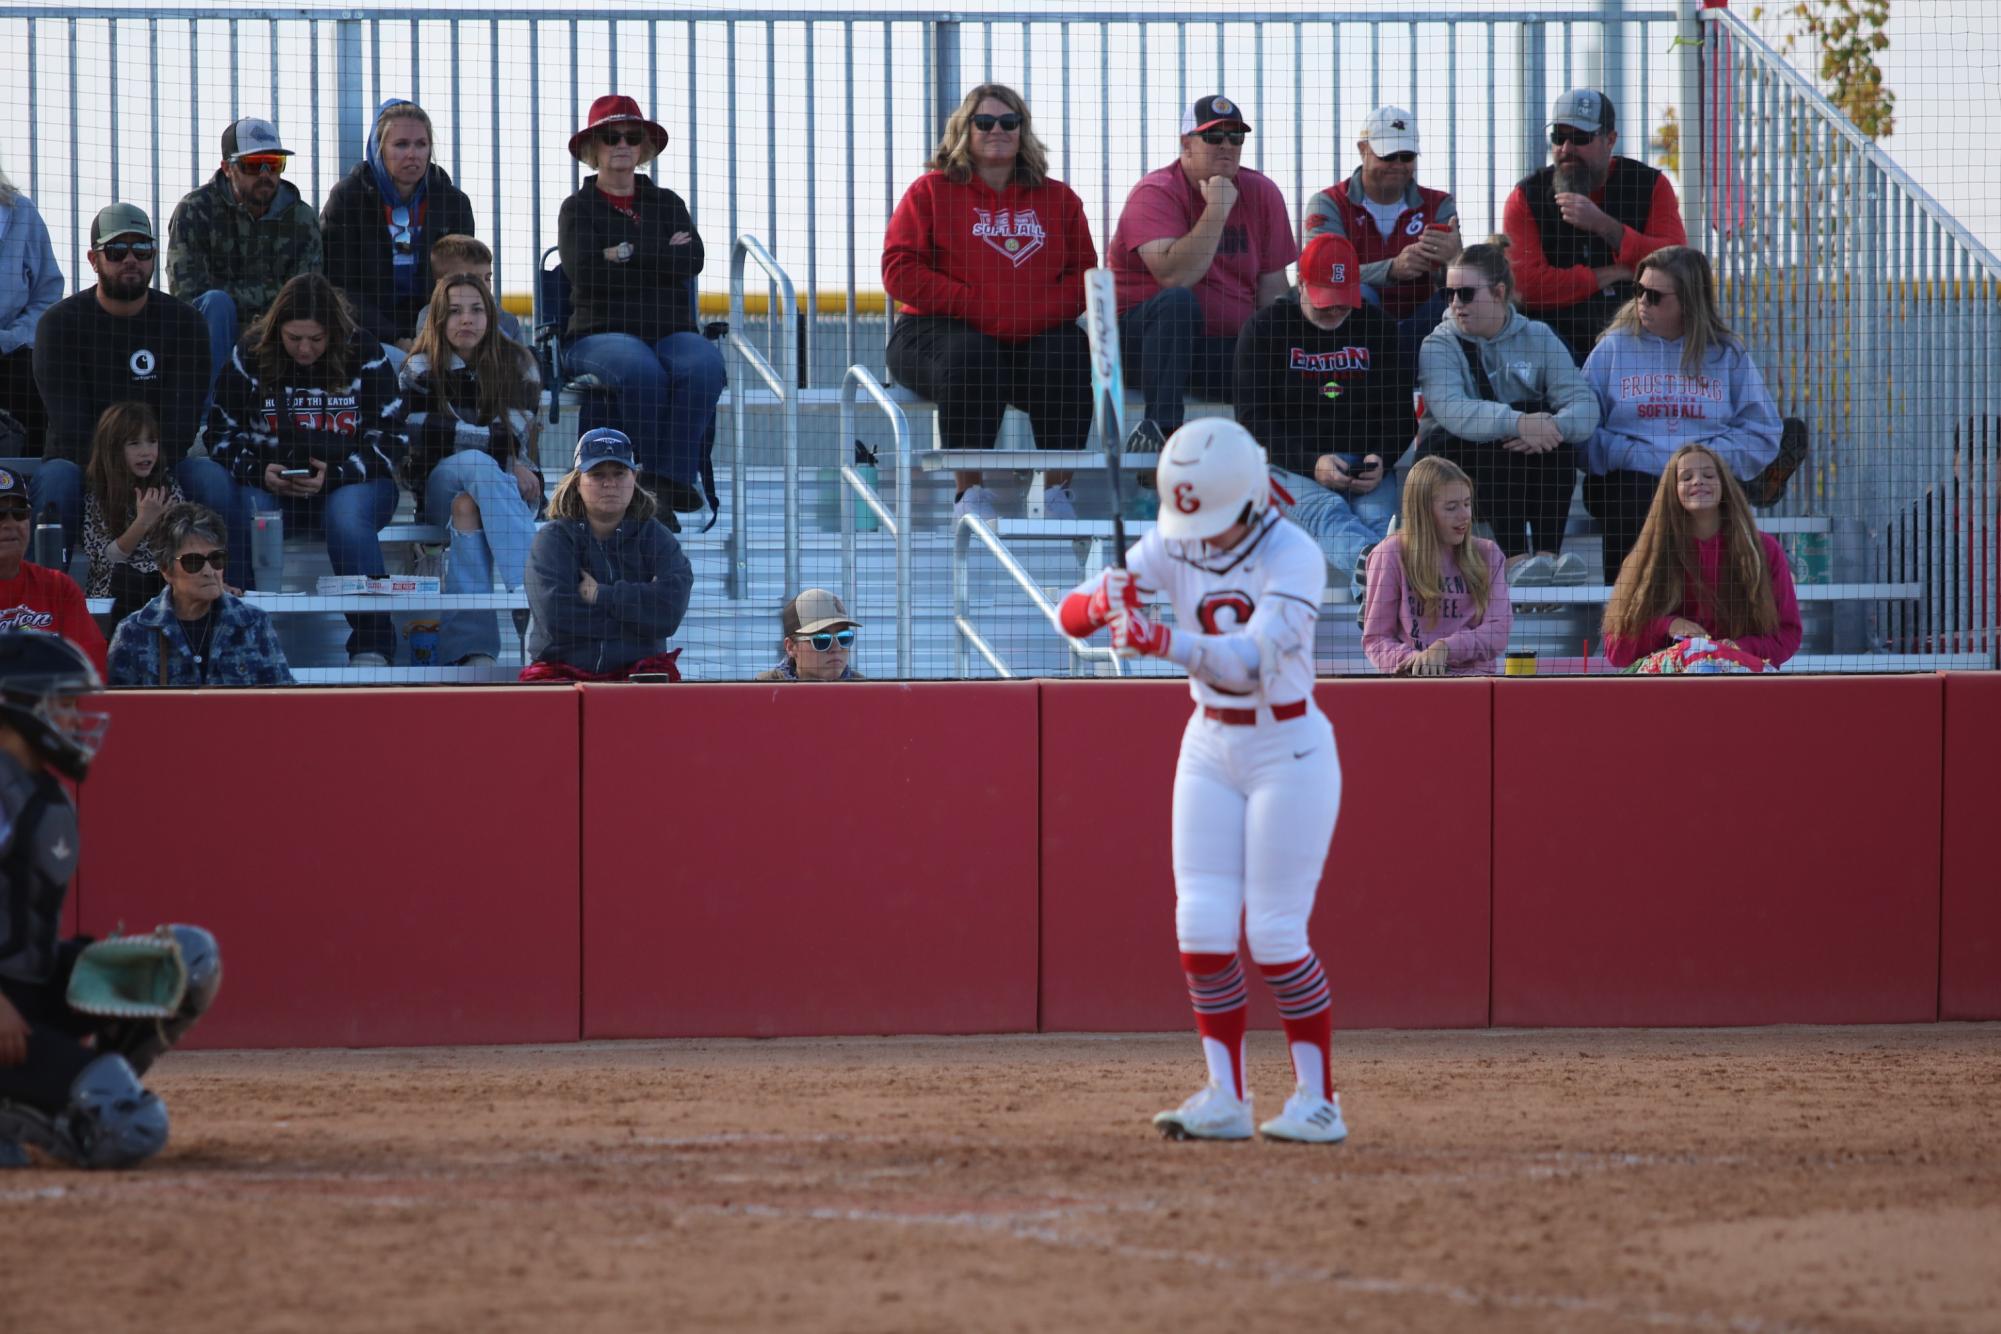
point(801, 859)
point(1716, 851)
point(1970, 912)
point(1401, 920)
point(381, 867)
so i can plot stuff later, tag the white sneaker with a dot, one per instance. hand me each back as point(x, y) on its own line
point(1308, 1118)
point(1570, 570)
point(476, 660)
point(1211, 1114)
point(1056, 503)
point(979, 501)
point(367, 660)
point(1538, 571)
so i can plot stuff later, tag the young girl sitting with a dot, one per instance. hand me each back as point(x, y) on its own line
point(127, 487)
point(1701, 569)
point(1437, 601)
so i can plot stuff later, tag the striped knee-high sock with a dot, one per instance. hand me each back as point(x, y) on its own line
point(1216, 990)
point(1307, 1009)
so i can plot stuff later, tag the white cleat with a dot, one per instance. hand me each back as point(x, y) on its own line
point(1308, 1118)
point(1211, 1114)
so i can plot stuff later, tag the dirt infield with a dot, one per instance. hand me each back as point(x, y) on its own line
point(1766, 1179)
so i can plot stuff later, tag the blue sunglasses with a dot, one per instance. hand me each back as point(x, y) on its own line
point(826, 639)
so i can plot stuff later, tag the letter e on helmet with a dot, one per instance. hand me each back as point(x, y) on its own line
point(1211, 474)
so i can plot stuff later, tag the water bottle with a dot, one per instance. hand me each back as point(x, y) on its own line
point(865, 520)
point(49, 540)
point(267, 551)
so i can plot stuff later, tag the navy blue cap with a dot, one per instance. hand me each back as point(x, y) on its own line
point(604, 445)
point(12, 484)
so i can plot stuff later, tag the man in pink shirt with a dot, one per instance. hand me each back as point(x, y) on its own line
point(1201, 245)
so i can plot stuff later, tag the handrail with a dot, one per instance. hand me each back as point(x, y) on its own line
point(859, 377)
point(784, 380)
point(965, 529)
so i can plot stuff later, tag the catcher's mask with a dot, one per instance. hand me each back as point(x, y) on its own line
point(41, 677)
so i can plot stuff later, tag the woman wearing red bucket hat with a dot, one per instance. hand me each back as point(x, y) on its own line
point(631, 253)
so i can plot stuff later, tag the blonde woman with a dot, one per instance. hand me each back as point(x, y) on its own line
point(1437, 603)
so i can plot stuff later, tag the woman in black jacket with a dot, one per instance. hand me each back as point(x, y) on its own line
point(379, 223)
point(631, 253)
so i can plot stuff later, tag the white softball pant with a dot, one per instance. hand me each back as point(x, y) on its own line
point(1254, 812)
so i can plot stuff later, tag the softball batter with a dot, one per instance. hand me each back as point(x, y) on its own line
point(1258, 784)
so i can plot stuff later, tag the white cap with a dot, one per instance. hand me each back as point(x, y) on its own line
point(1391, 130)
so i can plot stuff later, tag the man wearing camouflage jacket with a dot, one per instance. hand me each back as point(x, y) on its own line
point(234, 242)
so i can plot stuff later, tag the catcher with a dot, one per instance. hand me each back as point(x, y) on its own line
point(80, 1022)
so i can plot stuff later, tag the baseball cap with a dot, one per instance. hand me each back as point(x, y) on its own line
point(250, 136)
point(604, 445)
point(12, 484)
point(116, 220)
point(1211, 111)
point(1584, 109)
point(1329, 273)
point(1391, 130)
point(814, 610)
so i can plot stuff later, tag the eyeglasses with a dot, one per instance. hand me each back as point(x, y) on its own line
point(192, 561)
point(1465, 296)
point(1007, 124)
point(119, 251)
point(612, 138)
point(1558, 137)
point(14, 513)
point(826, 639)
point(1214, 137)
point(262, 164)
point(1404, 159)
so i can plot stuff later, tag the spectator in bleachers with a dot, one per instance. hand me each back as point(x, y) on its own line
point(195, 632)
point(818, 640)
point(1581, 225)
point(308, 422)
point(127, 487)
point(631, 252)
point(379, 222)
point(1437, 602)
point(1669, 373)
point(985, 258)
point(1201, 244)
point(472, 401)
point(1504, 401)
point(1323, 383)
point(1702, 570)
point(234, 242)
point(1403, 233)
point(30, 283)
point(33, 597)
point(117, 342)
point(606, 581)
point(456, 253)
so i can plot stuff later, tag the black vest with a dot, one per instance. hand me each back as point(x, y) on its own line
point(37, 859)
point(1629, 198)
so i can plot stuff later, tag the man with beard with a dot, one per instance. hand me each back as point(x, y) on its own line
point(234, 242)
point(1579, 226)
point(121, 342)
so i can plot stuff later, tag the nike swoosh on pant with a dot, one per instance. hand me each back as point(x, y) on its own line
point(1302, 754)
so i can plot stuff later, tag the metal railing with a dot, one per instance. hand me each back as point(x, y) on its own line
point(782, 380)
point(1874, 316)
point(860, 378)
point(964, 634)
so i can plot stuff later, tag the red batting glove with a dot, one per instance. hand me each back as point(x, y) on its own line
point(1115, 593)
point(1134, 636)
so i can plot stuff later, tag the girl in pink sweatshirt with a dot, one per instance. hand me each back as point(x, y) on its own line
point(1437, 600)
point(1702, 568)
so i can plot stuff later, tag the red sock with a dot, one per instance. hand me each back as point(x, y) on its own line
point(1216, 990)
point(1307, 1010)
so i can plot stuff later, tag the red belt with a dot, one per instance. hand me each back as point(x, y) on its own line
point(1249, 717)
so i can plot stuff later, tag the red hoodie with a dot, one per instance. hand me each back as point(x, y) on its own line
point(1775, 648)
point(1011, 264)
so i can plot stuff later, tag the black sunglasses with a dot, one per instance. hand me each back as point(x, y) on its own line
point(826, 639)
point(15, 513)
point(1465, 296)
point(119, 251)
point(192, 561)
point(1559, 136)
point(611, 137)
point(1653, 296)
point(1213, 137)
point(985, 124)
point(1405, 157)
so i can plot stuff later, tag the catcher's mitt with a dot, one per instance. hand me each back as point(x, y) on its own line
point(130, 977)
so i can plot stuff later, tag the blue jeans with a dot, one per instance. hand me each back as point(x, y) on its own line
point(498, 546)
point(1343, 525)
point(665, 398)
point(1163, 345)
point(218, 308)
point(59, 482)
point(350, 515)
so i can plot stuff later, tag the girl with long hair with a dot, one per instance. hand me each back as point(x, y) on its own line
point(472, 399)
point(127, 486)
point(1702, 569)
point(1437, 602)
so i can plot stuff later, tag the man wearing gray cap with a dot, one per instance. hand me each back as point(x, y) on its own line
point(819, 640)
point(1577, 228)
point(234, 242)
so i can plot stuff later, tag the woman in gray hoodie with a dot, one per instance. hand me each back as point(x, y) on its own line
point(1504, 401)
point(30, 283)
